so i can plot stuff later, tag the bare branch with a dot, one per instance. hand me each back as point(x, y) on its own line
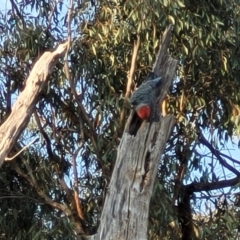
point(25, 104)
point(199, 187)
point(228, 157)
point(133, 66)
point(136, 46)
point(11, 158)
point(204, 141)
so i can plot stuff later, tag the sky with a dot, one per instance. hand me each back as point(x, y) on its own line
point(4, 4)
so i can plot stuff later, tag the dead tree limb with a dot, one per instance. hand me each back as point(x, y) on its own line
point(23, 108)
point(125, 211)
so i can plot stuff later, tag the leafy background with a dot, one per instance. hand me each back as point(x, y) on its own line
point(56, 188)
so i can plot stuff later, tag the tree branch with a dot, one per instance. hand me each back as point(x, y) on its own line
point(25, 104)
point(136, 46)
point(204, 141)
point(199, 187)
point(47, 200)
point(133, 66)
point(11, 158)
point(228, 157)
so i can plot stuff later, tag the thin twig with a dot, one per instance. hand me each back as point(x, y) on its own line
point(204, 141)
point(130, 79)
point(133, 66)
point(11, 158)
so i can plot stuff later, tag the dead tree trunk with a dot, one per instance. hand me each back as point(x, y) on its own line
point(125, 211)
point(25, 104)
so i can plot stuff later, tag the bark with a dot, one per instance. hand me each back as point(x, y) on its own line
point(23, 108)
point(125, 211)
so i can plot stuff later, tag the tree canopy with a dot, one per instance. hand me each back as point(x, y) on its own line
point(55, 189)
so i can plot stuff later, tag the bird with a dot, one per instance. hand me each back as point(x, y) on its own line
point(144, 98)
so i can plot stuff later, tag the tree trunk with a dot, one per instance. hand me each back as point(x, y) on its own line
point(125, 211)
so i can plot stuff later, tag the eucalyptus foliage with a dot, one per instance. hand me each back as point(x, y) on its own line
point(204, 98)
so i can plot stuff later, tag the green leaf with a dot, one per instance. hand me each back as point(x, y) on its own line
point(171, 18)
point(94, 50)
point(181, 4)
point(185, 49)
